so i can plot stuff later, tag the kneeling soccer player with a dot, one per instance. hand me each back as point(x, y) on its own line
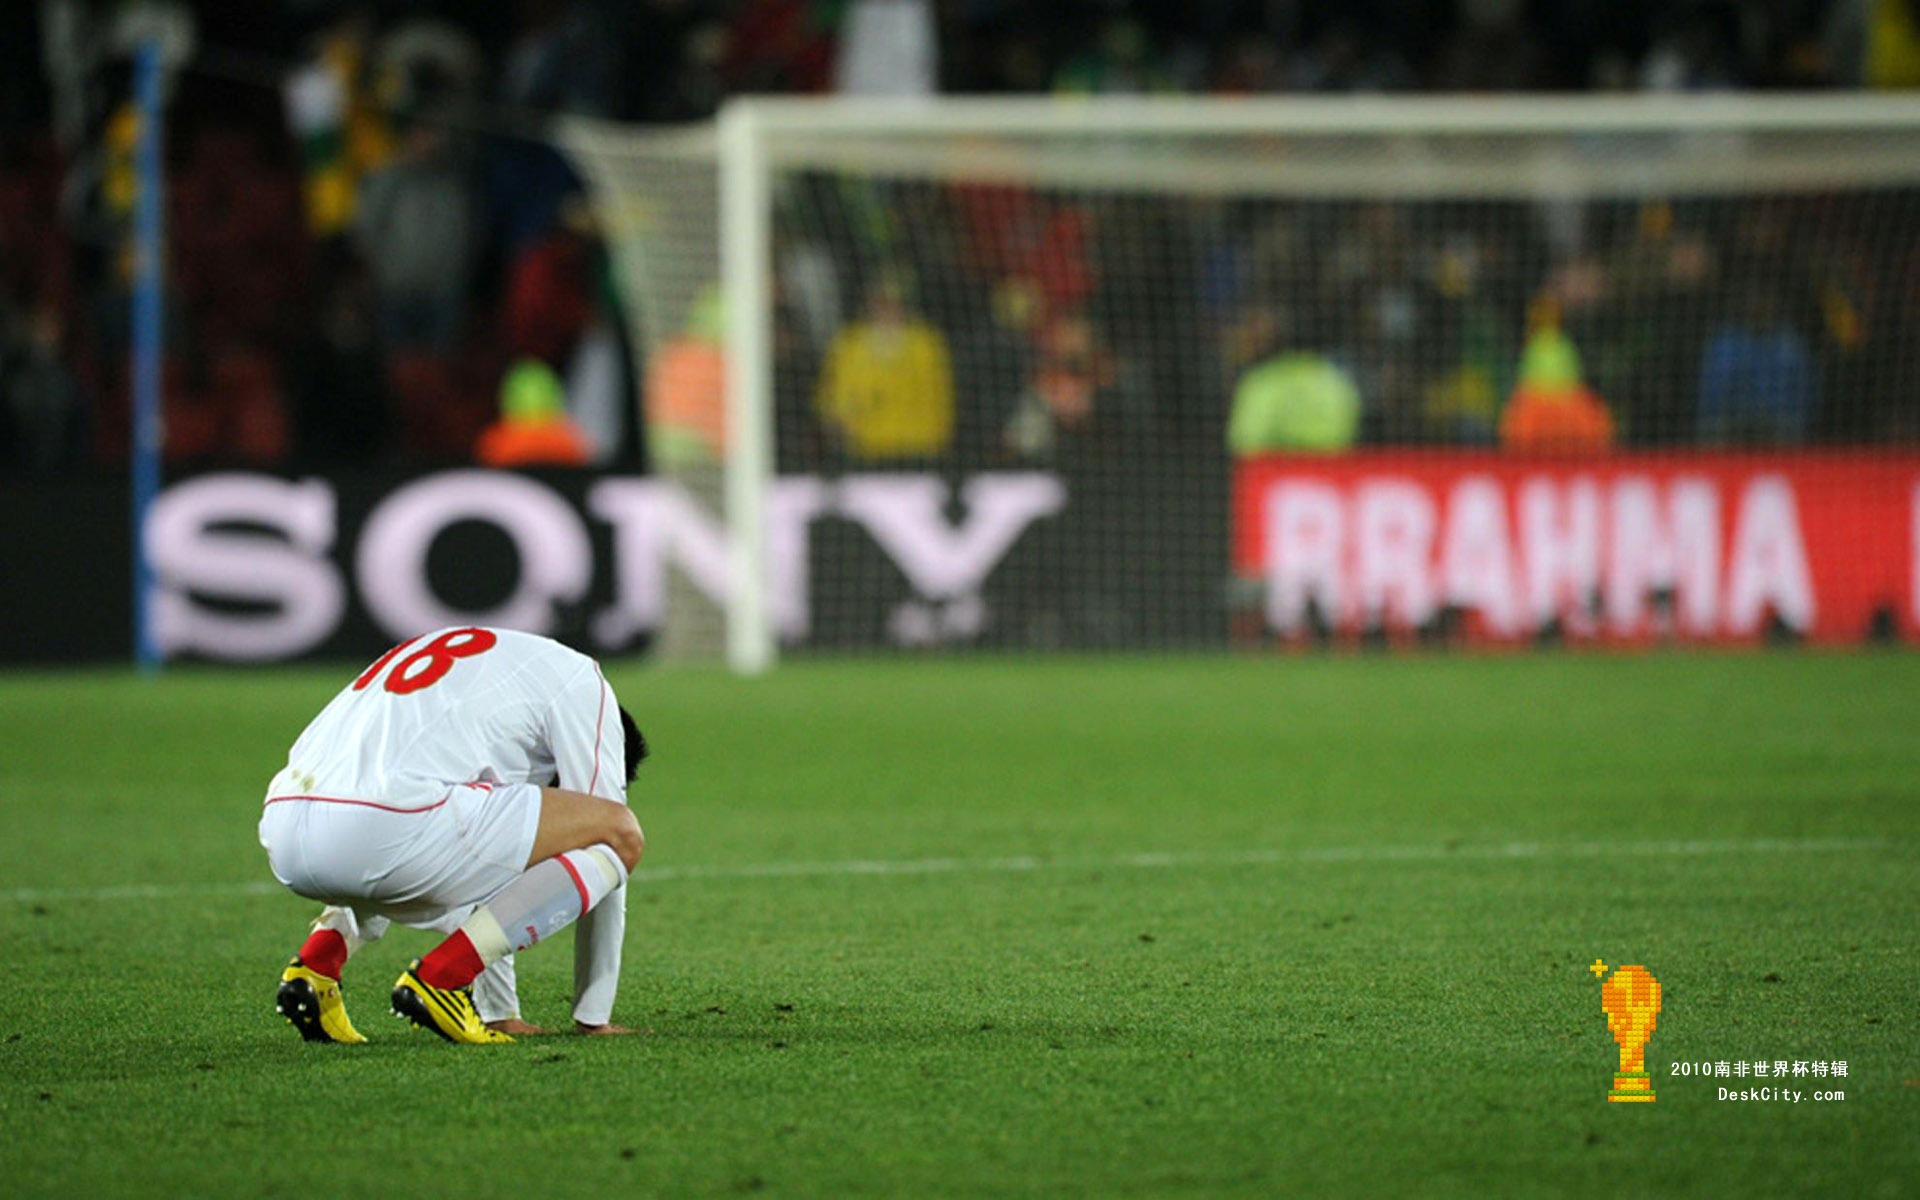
point(426, 793)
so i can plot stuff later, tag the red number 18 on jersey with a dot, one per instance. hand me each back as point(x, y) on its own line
point(430, 663)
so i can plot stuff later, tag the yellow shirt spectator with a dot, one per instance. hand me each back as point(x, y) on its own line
point(887, 388)
point(1893, 44)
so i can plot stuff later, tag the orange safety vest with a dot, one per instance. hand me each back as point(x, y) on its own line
point(507, 443)
point(1561, 420)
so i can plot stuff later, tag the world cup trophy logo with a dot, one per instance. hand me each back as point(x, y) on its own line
point(1631, 998)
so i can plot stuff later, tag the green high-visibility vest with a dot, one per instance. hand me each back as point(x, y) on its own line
point(1294, 402)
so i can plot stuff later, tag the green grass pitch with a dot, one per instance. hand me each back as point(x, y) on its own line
point(1128, 927)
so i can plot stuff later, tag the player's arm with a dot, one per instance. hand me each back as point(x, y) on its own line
point(589, 750)
point(496, 998)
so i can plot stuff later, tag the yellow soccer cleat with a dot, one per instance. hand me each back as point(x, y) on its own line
point(311, 1003)
point(448, 1013)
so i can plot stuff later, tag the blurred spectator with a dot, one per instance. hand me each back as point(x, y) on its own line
point(97, 201)
point(779, 46)
point(1758, 383)
point(888, 48)
point(1462, 402)
point(1142, 250)
point(807, 278)
point(417, 227)
point(1493, 50)
point(43, 420)
point(886, 391)
point(440, 402)
point(1298, 400)
point(559, 308)
point(424, 64)
point(229, 212)
point(1387, 312)
point(339, 129)
point(222, 404)
point(1874, 43)
point(34, 256)
point(1345, 59)
point(688, 56)
point(1251, 65)
point(1121, 60)
point(563, 59)
point(600, 394)
point(1552, 411)
point(69, 42)
point(686, 390)
point(527, 186)
point(341, 410)
point(1691, 52)
point(1046, 296)
point(1070, 393)
point(242, 390)
point(533, 429)
point(87, 47)
point(1635, 308)
point(1035, 249)
point(549, 288)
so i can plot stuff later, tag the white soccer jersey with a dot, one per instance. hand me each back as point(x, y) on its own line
point(459, 706)
point(465, 706)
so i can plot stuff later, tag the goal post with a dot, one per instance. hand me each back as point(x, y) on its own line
point(746, 264)
point(1030, 374)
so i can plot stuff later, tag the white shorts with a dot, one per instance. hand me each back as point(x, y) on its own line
point(419, 867)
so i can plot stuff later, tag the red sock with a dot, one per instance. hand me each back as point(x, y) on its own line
point(324, 951)
point(452, 964)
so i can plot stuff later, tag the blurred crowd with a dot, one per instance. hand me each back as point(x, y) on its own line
point(1077, 324)
point(372, 261)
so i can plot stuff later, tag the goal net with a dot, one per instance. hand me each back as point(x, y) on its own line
point(1036, 375)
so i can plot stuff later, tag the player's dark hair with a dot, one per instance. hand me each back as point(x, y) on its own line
point(636, 744)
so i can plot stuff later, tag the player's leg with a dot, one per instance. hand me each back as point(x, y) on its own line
point(581, 852)
point(338, 934)
point(568, 821)
point(575, 820)
point(546, 898)
point(304, 849)
point(309, 996)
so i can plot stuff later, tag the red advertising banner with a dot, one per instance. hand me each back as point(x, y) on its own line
point(1709, 546)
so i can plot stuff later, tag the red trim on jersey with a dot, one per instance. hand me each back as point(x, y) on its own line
point(597, 719)
point(579, 884)
point(358, 803)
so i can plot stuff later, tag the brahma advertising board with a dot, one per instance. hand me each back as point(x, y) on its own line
point(1708, 547)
